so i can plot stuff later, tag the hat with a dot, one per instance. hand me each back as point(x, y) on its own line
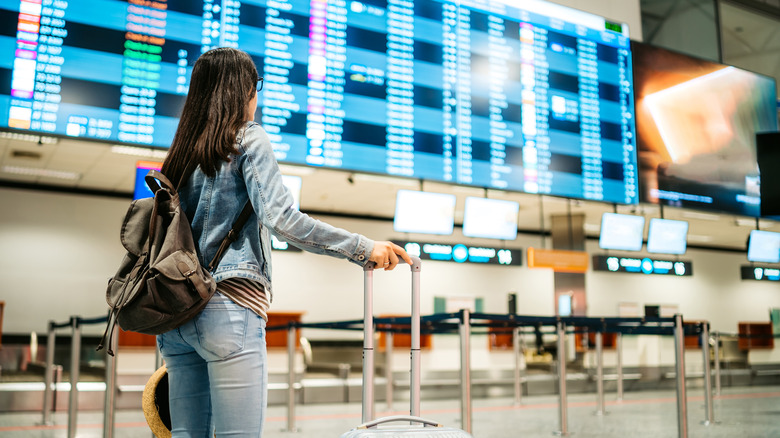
point(155, 404)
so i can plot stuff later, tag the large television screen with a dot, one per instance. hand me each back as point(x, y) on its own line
point(764, 246)
point(666, 236)
point(490, 218)
point(623, 232)
point(424, 212)
point(528, 96)
point(696, 124)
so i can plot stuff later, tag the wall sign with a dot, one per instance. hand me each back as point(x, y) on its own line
point(760, 274)
point(646, 265)
point(558, 260)
point(461, 253)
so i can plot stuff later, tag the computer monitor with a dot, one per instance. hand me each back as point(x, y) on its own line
point(666, 236)
point(623, 232)
point(424, 212)
point(764, 247)
point(490, 218)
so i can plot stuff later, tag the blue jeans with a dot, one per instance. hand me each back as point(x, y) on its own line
point(217, 372)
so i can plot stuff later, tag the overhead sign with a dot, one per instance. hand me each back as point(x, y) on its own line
point(460, 253)
point(639, 265)
point(760, 274)
point(558, 260)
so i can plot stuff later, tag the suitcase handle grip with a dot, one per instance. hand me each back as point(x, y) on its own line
point(415, 266)
point(391, 418)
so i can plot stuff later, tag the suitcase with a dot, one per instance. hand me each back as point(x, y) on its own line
point(416, 427)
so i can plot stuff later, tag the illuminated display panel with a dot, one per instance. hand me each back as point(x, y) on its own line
point(764, 246)
point(490, 218)
point(696, 126)
point(666, 236)
point(621, 232)
point(528, 96)
point(424, 212)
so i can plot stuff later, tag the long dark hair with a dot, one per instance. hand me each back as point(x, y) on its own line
point(215, 109)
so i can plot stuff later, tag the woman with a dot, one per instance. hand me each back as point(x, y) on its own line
point(219, 159)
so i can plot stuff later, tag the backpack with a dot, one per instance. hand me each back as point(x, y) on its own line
point(160, 284)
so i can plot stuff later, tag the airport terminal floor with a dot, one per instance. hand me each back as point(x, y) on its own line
point(744, 412)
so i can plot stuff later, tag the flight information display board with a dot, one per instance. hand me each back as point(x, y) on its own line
point(528, 96)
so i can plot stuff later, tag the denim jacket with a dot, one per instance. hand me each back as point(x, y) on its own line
point(213, 204)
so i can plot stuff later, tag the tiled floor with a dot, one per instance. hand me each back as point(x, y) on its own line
point(739, 412)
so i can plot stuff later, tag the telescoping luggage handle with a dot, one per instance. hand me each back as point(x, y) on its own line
point(368, 343)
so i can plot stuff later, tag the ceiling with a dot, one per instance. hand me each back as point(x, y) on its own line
point(749, 34)
point(751, 40)
point(97, 167)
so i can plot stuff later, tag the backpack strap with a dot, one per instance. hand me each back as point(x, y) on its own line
point(231, 236)
point(151, 180)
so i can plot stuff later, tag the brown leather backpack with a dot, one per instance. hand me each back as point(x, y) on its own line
point(160, 284)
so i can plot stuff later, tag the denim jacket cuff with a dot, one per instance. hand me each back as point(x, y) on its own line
point(364, 249)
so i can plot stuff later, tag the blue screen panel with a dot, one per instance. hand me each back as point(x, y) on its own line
point(141, 189)
point(528, 96)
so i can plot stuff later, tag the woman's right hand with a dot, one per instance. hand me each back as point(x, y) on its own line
point(386, 255)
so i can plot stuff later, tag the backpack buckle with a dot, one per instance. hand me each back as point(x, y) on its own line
point(184, 267)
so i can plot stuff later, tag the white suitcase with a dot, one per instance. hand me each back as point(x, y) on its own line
point(379, 428)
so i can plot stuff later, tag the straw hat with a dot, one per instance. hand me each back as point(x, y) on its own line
point(155, 404)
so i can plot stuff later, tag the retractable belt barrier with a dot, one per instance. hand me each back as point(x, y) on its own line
point(76, 323)
point(464, 321)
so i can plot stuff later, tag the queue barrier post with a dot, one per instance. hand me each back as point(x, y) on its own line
point(75, 360)
point(518, 352)
point(679, 356)
point(109, 402)
point(58, 373)
point(716, 347)
point(291, 341)
point(619, 346)
point(48, 389)
point(562, 408)
point(709, 414)
point(465, 370)
point(600, 373)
